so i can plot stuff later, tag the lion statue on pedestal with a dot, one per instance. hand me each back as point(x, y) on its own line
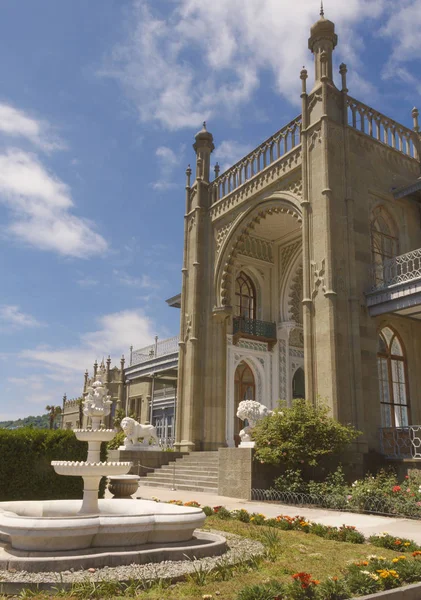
point(134, 430)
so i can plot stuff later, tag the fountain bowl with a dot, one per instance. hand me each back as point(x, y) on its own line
point(55, 525)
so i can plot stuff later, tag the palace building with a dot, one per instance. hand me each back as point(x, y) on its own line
point(301, 277)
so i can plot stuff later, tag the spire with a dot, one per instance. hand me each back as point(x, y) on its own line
point(322, 42)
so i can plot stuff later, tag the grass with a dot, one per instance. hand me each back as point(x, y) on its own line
point(287, 552)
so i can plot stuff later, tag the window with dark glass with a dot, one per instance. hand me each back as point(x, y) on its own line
point(384, 244)
point(245, 297)
point(392, 374)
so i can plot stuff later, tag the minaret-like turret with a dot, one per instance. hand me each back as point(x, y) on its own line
point(322, 42)
point(203, 147)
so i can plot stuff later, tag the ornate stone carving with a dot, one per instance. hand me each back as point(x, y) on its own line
point(287, 254)
point(251, 411)
point(256, 248)
point(134, 430)
point(258, 184)
point(221, 235)
point(318, 277)
point(296, 297)
point(251, 345)
point(282, 369)
point(296, 338)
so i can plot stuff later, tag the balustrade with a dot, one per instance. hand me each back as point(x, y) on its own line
point(254, 328)
point(267, 153)
point(168, 346)
point(401, 442)
point(399, 269)
point(385, 130)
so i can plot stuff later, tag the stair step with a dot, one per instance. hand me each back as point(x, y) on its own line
point(181, 469)
point(197, 463)
point(198, 480)
point(180, 486)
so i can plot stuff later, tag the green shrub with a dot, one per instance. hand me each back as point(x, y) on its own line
point(117, 441)
point(207, 510)
point(265, 591)
point(25, 465)
point(300, 435)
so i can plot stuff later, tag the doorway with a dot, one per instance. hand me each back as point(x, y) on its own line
point(245, 389)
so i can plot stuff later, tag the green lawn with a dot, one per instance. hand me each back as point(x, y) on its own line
point(288, 552)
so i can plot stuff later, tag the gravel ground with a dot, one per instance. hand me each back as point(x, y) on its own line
point(239, 549)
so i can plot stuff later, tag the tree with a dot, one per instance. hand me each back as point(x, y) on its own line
point(53, 413)
point(300, 435)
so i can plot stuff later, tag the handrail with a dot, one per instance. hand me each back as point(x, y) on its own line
point(399, 269)
point(382, 128)
point(168, 346)
point(279, 144)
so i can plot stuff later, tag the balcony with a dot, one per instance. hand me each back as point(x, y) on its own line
point(262, 331)
point(401, 442)
point(397, 287)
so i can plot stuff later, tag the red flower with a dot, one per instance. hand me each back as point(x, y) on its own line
point(396, 488)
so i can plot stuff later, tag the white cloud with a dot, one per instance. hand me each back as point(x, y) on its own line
point(168, 161)
point(13, 318)
point(203, 57)
point(115, 334)
point(87, 282)
point(16, 123)
point(136, 282)
point(40, 204)
point(403, 30)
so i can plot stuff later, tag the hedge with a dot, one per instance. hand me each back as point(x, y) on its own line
point(25, 464)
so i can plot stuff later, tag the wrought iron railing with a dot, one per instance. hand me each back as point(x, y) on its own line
point(166, 443)
point(168, 346)
point(372, 505)
point(382, 128)
point(254, 328)
point(399, 269)
point(401, 442)
point(279, 144)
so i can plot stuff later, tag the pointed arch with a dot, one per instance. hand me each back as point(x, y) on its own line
point(384, 236)
point(281, 202)
point(393, 379)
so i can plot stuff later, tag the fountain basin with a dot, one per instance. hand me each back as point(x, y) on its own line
point(94, 435)
point(55, 525)
point(99, 469)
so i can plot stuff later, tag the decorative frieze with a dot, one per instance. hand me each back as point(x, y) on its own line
point(256, 248)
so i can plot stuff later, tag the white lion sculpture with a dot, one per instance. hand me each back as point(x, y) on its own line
point(251, 411)
point(134, 430)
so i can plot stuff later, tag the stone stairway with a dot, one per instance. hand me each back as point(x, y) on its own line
point(197, 472)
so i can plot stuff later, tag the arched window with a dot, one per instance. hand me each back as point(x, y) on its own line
point(245, 389)
point(384, 243)
point(245, 297)
point(392, 372)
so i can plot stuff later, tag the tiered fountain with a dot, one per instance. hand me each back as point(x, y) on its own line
point(96, 406)
point(59, 534)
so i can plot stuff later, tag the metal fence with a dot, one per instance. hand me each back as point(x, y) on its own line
point(399, 269)
point(375, 505)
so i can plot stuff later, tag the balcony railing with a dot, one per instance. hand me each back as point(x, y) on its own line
point(382, 128)
point(399, 269)
point(279, 144)
point(169, 346)
point(253, 328)
point(401, 442)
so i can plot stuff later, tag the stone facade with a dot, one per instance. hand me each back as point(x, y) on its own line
point(278, 258)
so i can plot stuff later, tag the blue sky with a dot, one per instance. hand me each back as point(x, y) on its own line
point(99, 104)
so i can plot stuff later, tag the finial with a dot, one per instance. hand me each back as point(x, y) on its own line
point(217, 169)
point(322, 12)
point(204, 125)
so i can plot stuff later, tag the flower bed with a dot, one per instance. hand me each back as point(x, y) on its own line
point(382, 494)
point(375, 574)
